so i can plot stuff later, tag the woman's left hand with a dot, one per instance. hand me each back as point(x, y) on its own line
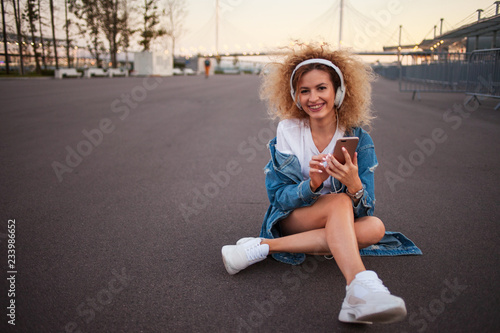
point(346, 173)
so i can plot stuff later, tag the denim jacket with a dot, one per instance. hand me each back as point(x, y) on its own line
point(287, 190)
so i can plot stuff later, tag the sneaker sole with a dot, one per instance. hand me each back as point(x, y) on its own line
point(390, 315)
point(346, 317)
point(385, 317)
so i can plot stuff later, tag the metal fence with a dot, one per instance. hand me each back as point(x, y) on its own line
point(436, 72)
point(476, 74)
point(483, 74)
point(388, 71)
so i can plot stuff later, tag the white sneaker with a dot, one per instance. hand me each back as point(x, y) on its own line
point(238, 257)
point(367, 300)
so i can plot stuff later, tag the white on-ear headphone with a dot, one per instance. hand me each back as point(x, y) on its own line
point(339, 94)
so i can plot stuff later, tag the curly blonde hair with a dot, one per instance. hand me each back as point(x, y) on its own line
point(355, 110)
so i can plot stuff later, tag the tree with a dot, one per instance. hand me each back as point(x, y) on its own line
point(17, 18)
point(111, 26)
point(176, 13)
point(151, 20)
point(41, 35)
point(5, 45)
point(89, 12)
point(126, 32)
point(32, 13)
point(53, 32)
point(67, 23)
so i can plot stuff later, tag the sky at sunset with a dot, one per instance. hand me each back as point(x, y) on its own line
point(251, 25)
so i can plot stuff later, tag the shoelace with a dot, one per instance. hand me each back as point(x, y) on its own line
point(375, 285)
point(254, 253)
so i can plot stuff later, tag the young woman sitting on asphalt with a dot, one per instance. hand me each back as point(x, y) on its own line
point(319, 206)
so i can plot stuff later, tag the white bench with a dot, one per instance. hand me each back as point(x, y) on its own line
point(117, 72)
point(68, 72)
point(231, 71)
point(89, 72)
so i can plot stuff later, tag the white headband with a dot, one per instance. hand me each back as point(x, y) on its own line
point(339, 96)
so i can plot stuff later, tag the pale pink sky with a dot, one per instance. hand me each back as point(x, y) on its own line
point(250, 25)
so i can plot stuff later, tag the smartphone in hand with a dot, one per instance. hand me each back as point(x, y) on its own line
point(350, 143)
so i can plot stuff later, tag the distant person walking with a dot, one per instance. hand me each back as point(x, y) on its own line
point(318, 205)
point(207, 68)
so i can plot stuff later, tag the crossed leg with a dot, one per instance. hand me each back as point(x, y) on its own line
point(328, 227)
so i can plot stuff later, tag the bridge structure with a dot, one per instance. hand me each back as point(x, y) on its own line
point(346, 26)
point(220, 36)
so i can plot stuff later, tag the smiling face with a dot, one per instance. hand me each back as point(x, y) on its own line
point(316, 94)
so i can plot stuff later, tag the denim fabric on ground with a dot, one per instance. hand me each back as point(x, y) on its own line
point(392, 244)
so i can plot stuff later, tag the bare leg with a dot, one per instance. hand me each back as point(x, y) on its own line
point(369, 230)
point(328, 227)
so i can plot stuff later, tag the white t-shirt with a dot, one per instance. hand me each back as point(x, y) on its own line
point(294, 137)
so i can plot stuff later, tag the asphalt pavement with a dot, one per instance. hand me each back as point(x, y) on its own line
point(118, 194)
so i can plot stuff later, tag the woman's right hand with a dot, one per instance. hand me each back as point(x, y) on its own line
point(317, 171)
